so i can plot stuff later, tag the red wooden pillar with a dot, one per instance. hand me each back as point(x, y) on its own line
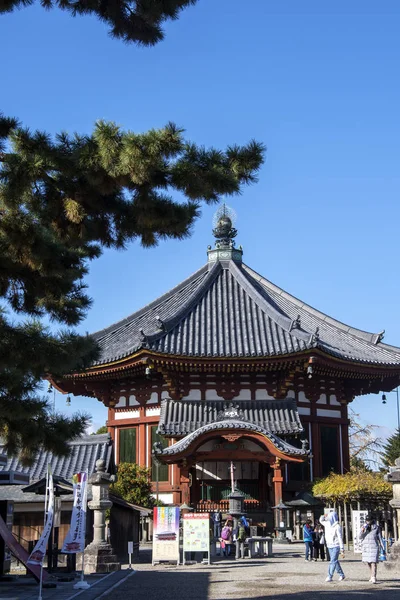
point(142, 444)
point(277, 481)
point(184, 482)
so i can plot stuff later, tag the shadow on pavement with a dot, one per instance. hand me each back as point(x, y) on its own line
point(150, 585)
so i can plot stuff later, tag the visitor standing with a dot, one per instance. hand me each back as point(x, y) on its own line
point(371, 544)
point(226, 538)
point(319, 542)
point(308, 539)
point(217, 519)
point(334, 542)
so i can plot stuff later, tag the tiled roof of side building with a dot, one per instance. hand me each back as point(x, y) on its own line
point(85, 451)
point(228, 310)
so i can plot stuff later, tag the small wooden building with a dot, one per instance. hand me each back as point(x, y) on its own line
point(16, 482)
point(229, 367)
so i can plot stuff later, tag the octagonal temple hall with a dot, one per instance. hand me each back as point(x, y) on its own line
point(228, 367)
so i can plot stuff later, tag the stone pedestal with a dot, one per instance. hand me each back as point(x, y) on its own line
point(393, 477)
point(99, 555)
point(100, 558)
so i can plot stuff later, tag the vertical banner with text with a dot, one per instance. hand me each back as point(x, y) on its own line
point(75, 539)
point(38, 553)
point(165, 533)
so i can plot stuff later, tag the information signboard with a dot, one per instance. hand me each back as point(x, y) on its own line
point(196, 534)
point(165, 534)
point(358, 521)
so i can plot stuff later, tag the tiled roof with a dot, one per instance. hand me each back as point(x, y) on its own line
point(228, 310)
point(84, 453)
point(232, 425)
point(16, 493)
point(182, 417)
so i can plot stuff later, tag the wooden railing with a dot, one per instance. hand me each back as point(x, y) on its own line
point(250, 506)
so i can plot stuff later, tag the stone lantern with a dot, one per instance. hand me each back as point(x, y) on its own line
point(99, 555)
point(236, 501)
point(281, 521)
point(393, 477)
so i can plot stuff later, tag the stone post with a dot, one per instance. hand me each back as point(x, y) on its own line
point(393, 477)
point(99, 555)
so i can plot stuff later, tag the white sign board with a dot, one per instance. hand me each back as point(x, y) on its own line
point(358, 522)
point(196, 533)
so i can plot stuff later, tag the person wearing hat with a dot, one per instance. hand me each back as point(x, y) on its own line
point(371, 543)
point(334, 542)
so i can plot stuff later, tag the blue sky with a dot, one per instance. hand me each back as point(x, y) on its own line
point(316, 82)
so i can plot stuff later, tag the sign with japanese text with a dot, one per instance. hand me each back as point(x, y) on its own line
point(38, 553)
point(165, 533)
point(75, 539)
point(196, 532)
point(358, 519)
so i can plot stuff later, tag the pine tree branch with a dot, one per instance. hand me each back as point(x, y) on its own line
point(133, 21)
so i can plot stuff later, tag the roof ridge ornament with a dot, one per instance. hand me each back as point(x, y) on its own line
point(314, 338)
point(224, 233)
point(230, 411)
point(160, 323)
point(378, 337)
point(295, 324)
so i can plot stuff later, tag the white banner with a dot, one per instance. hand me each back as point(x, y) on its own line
point(358, 523)
point(75, 539)
point(38, 553)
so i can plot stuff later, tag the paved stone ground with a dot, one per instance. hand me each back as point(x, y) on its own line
point(285, 576)
point(26, 588)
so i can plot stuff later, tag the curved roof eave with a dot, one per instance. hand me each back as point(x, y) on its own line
point(238, 426)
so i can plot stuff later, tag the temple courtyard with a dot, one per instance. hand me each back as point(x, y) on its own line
point(285, 576)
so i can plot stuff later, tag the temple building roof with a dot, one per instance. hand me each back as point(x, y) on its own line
point(179, 418)
point(84, 452)
point(225, 309)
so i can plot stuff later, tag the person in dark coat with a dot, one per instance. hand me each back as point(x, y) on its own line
point(319, 542)
point(371, 544)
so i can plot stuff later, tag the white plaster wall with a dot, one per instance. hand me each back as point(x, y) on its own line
point(151, 412)
point(121, 402)
point(193, 395)
point(322, 412)
point(302, 397)
point(153, 398)
point(212, 395)
point(133, 401)
point(333, 400)
point(263, 395)
point(243, 395)
point(127, 414)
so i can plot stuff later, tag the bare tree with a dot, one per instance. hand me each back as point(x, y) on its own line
point(365, 444)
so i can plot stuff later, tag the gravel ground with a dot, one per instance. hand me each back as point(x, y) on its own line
point(286, 575)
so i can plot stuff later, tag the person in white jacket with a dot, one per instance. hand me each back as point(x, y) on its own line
point(334, 542)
